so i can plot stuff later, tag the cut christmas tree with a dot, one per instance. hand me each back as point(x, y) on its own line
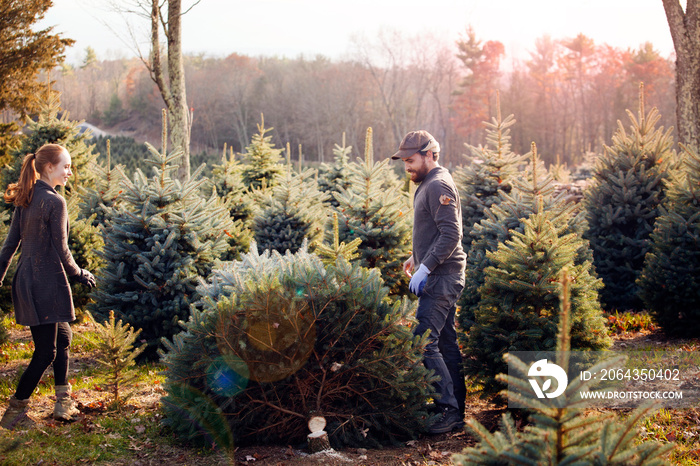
point(283, 339)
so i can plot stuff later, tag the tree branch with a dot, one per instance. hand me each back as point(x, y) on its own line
point(675, 18)
point(156, 68)
point(191, 6)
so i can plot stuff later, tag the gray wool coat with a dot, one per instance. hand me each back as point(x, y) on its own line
point(40, 290)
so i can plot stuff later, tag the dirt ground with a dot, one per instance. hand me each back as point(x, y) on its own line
point(427, 450)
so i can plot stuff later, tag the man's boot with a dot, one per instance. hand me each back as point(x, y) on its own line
point(16, 415)
point(449, 420)
point(65, 408)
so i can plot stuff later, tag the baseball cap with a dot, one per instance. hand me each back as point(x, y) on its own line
point(413, 142)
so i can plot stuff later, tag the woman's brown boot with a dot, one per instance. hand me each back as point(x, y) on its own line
point(65, 408)
point(16, 415)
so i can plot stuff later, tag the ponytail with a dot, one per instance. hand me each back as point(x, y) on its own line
point(20, 193)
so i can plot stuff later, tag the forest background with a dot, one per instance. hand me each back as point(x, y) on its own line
point(568, 96)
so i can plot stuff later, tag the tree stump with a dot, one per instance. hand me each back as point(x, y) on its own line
point(318, 438)
point(318, 441)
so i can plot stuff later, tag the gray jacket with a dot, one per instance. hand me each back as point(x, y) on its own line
point(41, 293)
point(437, 224)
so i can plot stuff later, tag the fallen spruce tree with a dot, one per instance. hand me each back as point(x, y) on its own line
point(277, 340)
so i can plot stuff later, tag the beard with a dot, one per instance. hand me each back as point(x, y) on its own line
point(419, 174)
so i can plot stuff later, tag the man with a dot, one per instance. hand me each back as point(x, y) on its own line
point(436, 268)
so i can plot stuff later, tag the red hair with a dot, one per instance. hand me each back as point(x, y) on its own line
point(20, 193)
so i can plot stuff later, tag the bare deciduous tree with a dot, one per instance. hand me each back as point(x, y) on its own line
point(685, 32)
point(171, 77)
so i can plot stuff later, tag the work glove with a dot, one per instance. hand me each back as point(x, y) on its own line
point(86, 278)
point(418, 280)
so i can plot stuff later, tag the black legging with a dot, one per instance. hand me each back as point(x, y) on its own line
point(51, 344)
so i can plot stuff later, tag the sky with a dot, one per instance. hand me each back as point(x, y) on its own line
point(292, 28)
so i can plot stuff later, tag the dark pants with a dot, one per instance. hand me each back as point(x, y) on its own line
point(51, 344)
point(436, 312)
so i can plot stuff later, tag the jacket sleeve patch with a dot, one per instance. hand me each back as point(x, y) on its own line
point(446, 200)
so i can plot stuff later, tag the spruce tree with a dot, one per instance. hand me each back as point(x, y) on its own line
point(670, 280)
point(117, 355)
point(504, 218)
point(331, 251)
point(262, 159)
point(623, 203)
point(97, 202)
point(333, 178)
point(282, 338)
point(159, 241)
point(518, 310)
point(491, 170)
point(291, 213)
point(227, 177)
point(563, 433)
point(50, 128)
point(377, 211)
point(238, 198)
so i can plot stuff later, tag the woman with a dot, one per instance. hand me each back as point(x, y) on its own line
point(41, 294)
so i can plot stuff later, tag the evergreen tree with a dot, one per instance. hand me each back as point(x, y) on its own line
point(50, 128)
point(158, 243)
point(117, 355)
point(333, 178)
point(85, 242)
point(330, 252)
point(623, 202)
point(560, 172)
point(491, 170)
point(563, 433)
point(227, 179)
point(282, 338)
point(26, 52)
point(374, 209)
point(519, 303)
point(291, 213)
point(98, 201)
point(125, 151)
point(670, 280)
point(262, 160)
point(504, 218)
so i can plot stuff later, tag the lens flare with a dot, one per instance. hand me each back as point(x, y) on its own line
point(227, 376)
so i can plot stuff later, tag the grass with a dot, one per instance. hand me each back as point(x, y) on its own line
point(679, 426)
point(106, 434)
point(134, 433)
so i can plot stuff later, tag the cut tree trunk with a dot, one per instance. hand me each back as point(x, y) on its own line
point(318, 441)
